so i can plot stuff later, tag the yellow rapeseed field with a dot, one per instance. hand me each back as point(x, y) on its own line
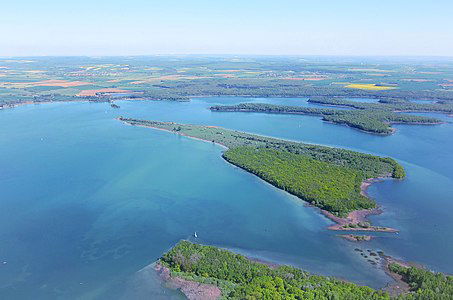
point(369, 86)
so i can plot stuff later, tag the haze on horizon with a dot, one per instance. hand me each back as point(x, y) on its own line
point(286, 27)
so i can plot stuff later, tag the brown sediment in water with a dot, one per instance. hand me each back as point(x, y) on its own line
point(193, 290)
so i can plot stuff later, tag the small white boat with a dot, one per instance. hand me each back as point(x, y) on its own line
point(195, 234)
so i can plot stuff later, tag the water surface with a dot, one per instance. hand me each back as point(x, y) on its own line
point(88, 202)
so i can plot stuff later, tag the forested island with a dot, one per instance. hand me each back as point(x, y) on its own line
point(221, 274)
point(387, 104)
point(369, 118)
point(326, 177)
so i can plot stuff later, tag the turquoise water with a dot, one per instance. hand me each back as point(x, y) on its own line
point(88, 202)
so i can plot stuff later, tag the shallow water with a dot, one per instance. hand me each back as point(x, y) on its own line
point(87, 201)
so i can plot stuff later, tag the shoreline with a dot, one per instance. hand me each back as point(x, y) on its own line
point(79, 99)
point(390, 132)
point(399, 286)
point(108, 99)
point(383, 134)
point(177, 133)
point(196, 290)
point(356, 221)
point(368, 182)
point(191, 289)
point(353, 218)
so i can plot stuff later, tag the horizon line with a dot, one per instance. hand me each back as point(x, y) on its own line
point(233, 54)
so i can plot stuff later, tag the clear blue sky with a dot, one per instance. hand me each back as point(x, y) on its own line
point(137, 27)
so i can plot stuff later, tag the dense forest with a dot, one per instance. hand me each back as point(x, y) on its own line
point(275, 87)
point(328, 186)
point(293, 166)
point(369, 120)
point(388, 104)
point(425, 284)
point(241, 278)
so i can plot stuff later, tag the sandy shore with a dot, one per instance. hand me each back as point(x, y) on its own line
point(193, 290)
point(366, 183)
point(354, 219)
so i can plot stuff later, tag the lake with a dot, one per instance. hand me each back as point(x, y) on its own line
point(88, 203)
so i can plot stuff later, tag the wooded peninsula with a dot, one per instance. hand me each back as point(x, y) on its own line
point(367, 118)
point(326, 177)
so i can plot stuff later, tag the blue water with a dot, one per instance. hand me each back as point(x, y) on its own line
point(443, 117)
point(303, 102)
point(88, 202)
point(423, 101)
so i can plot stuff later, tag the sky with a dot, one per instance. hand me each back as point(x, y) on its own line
point(277, 27)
